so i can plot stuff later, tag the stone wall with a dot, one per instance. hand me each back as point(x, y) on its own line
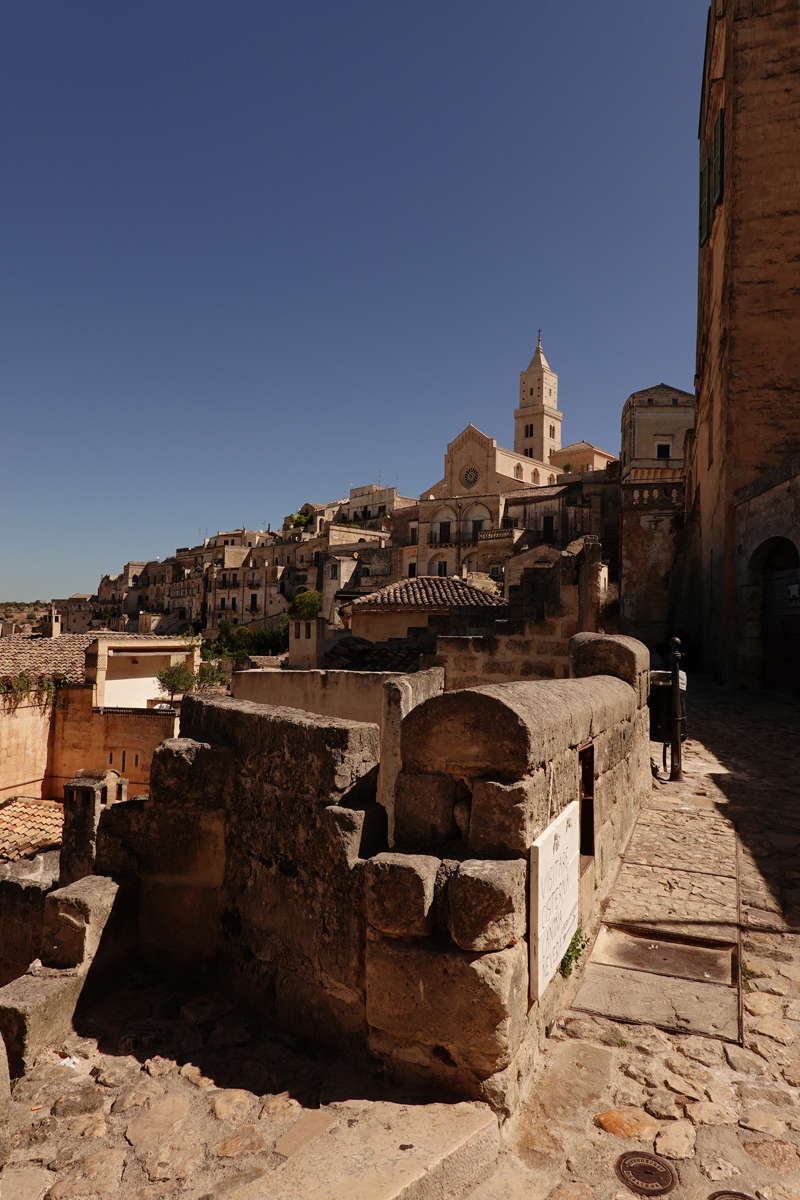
point(552, 595)
point(349, 695)
point(484, 772)
point(262, 855)
point(83, 736)
point(24, 744)
point(24, 886)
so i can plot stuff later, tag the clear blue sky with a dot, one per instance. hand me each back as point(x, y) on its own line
point(255, 253)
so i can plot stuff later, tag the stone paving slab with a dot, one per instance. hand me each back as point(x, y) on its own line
point(679, 1004)
point(683, 841)
point(680, 960)
point(391, 1152)
point(687, 903)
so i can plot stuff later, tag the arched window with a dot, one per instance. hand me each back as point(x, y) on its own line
point(552, 478)
point(518, 472)
point(535, 476)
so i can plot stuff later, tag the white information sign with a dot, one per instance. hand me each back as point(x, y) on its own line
point(555, 873)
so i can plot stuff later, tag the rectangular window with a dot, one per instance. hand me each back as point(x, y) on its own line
point(124, 756)
point(364, 572)
point(334, 571)
point(477, 526)
point(253, 603)
point(704, 214)
point(297, 629)
point(718, 159)
point(235, 582)
point(494, 571)
point(316, 558)
point(412, 570)
point(222, 604)
point(136, 760)
point(663, 450)
point(548, 530)
point(444, 531)
point(441, 568)
point(111, 757)
point(224, 579)
point(308, 630)
point(233, 602)
point(414, 535)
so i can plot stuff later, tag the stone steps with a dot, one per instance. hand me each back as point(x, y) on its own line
point(384, 1151)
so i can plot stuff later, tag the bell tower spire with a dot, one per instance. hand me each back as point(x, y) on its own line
point(537, 421)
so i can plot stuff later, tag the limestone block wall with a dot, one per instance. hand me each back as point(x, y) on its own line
point(517, 650)
point(24, 743)
point(484, 772)
point(262, 855)
point(246, 857)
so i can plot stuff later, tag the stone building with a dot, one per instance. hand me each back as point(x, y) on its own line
point(655, 422)
point(741, 570)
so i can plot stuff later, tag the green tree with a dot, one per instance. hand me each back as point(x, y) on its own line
point(209, 675)
point(177, 678)
point(305, 606)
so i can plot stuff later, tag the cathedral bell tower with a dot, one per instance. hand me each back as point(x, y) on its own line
point(537, 421)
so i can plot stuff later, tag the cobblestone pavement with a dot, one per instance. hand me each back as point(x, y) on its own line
point(726, 1116)
point(194, 1100)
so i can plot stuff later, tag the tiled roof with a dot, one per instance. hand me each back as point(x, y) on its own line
point(64, 654)
point(429, 591)
point(524, 495)
point(357, 654)
point(27, 826)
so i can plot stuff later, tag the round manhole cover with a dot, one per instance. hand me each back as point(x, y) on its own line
point(729, 1196)
point(646, 1174)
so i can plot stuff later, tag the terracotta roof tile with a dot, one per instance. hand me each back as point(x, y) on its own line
point(27, 826)
point(429, 591)
point(66, 654)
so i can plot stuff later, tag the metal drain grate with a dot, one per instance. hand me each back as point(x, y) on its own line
point(645, 1173)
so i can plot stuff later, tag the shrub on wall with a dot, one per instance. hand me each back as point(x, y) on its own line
point(40, 690)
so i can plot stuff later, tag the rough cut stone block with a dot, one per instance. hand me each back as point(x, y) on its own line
point(610, 654)
point(74, 919)
point(399, 892)
point(487, 904)
point(470, 1007)
point(505, 816)
point(36, 1010)
point(192, 774)
point(423, 810)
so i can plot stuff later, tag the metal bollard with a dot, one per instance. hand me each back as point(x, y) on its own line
point(676, 769)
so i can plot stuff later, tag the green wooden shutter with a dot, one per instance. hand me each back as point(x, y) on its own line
point(718, 158)
point(704, 223)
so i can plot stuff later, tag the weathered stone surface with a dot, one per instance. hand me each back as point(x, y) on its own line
point(85, 1099)
point(233, 1104)
point(759, 1005)
point(429, 1150)
point(192, 774)
point(611, 654)
point(487, 904)
point(676, 1141)
point(310, 1126)
point(35, 1011)
point(682, 1086)
point(175, 1160)
point(74, 919)
point(472, 1005)
point(791, 1073)
point(779, 1031)
point(719, 1169)
point(97, 1174)
point(780, 1156)
point(137, 1095)
point(160, 1121)
point(762, 1122)
point(627, 1122)
point(424, 809)
point(247, 1140)
point(280, 1109)
point(744, 1061)
point(707, 1113)
point(23, 1182)
point(577, 1076)
point(572, 1191)
point(157, 1066)
point(662, 1105)
point(505, 818)
point(398, 890)
point(701, 1050)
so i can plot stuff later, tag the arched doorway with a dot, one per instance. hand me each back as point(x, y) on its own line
point(780, 614)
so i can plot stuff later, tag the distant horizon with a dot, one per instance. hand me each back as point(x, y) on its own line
point(257, 255)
